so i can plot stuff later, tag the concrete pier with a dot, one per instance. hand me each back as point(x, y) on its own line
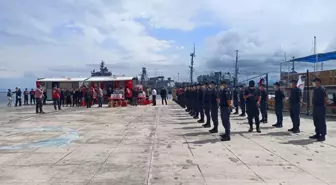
point(155, 145)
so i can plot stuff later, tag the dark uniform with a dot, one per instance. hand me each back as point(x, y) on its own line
point(187, 100)
point(263, 105)
point(200, 101)
point(235, 100)
point(225, 112)
point(214, 96)
point(319, 112)
point(242, 101)
point(294, 110)
point(206, 101)
point(279, 97)
point(252, 95)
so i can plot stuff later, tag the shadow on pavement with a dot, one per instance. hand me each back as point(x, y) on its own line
point(204, 141)
point(276, 134)
point(240, 132)
point(300, 142)
point(195, 134)
point(189, 128)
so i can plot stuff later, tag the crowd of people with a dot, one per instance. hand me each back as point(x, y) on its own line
point(85, 95)
point(204, 100)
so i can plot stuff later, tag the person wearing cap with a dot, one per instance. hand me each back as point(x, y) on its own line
point(200, 98)
point(242, 101)
point(225, 105)
point(252, 97)
point(295, 101)
point(263, 103)
point(206, 101)
point(214, 99)
point(320, 99)
point(278, 104)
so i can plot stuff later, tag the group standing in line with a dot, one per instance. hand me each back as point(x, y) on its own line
point(202, 102)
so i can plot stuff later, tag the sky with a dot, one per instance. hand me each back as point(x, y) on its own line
point(46, 38)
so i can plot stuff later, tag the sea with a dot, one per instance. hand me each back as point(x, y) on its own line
point(3, 99)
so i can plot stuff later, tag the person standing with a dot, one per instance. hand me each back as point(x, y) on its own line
point(235, 100)
point(242, 101)
point(154, 96)
point(214, 99)
point(67, 95)
point(18, 96)
point(252, 97)
point(320, 99)
point(25, 97)
point(278, 105)
point(163, 94)
point(56, 98)
point(74, 97)
point(100, 97)
point(62, 97)
point(263, 103)
point(186, 98)
point(88, 97)
point(135, 96)
point(200, 101)
point(32, 97)
point(295, 102)
point(39, 100)
point(225, 104)
point(207, 96)
point(9, 97)
point(45, 97)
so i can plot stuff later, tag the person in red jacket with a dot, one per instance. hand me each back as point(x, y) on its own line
point(56, 98)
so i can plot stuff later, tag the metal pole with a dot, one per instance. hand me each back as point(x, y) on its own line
point(236, 70)
point(315, 53)
point(178, 77)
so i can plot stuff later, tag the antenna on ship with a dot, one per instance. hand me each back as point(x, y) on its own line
point(192, 55)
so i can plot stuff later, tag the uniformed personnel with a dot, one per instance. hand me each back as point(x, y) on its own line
point(320, 99)
point(206, 101)
point(201, 102)
point(295, 102)
point(214, 99)
point(252, 97)
point(278, 105)
point(225, 105)
point(242, 101)
point(263, 103)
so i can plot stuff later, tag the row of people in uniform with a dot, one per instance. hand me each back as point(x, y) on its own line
point(204, 101)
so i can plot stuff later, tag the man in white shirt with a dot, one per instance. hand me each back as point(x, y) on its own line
point(154, 97)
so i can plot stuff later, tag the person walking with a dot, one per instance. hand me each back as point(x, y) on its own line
point(163, 94)
point(39, 100)
point(252, 96)
point(320, 99)
point(154, 96)
point(56, 98)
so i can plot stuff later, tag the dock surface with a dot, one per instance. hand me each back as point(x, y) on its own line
point(148, 145)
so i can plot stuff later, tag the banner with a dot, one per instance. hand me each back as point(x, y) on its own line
point(301, 82)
